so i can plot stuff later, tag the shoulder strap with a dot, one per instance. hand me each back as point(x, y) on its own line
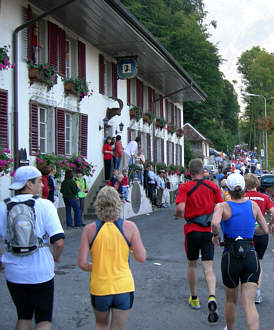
point(200, 182)
point(99, 225)
point(119, 225)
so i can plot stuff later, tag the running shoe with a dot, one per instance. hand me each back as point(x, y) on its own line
point(258, 298)
point(194, 303)
point(213, 315)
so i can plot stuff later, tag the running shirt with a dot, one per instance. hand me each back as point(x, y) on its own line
point(242, 221)
point(263, 201)
point(201, 201)
point(110, 253)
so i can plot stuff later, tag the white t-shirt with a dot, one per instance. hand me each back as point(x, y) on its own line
point(131, 148)
point(39, 266)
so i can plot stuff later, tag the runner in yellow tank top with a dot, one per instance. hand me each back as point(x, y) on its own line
point(109, 242)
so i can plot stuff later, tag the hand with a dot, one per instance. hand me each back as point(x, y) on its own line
point(216, 240)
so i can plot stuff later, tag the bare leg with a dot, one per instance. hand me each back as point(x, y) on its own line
point(248, 301)
point(231, 306)
point(119, 319)
point(24, 325)
point(261, 274)
point(192, 276)
point(102, 319)
point(209, 276)
point(43, 326)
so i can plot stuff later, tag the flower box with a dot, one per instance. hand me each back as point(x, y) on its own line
point(42, 73)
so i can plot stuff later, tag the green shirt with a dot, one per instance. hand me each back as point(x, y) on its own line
point(69, 189)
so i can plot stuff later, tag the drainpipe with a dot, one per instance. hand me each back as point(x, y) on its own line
point(15, 75)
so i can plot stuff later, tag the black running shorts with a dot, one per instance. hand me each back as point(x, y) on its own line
point(32, 299)
point(196, 241)
point(233, 270)
point(260, 243)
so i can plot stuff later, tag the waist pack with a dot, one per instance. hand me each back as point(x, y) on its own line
point(240, 248)
point(202, 220)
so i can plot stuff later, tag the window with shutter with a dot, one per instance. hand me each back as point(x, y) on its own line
point(81, 60)
point(161, 107)
point(114, 80)
point(53, 44)
point(29, 17)
point(163, 150)
point(172, 114)
point(148, 147)
point(83, 135)
point(166, 111)
point(101, 74)
point(140, 93)
point(128, 92)
point(34, 128)
point(172, 148)
point(176, 117)
point(60, 131)
point(154, 148)
point(62, 52)
point(149, 99)
point(4, 124)
point(179, 118)
point(167, 153)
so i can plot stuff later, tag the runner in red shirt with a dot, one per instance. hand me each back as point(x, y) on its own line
point(195, 202)
point(260, 239)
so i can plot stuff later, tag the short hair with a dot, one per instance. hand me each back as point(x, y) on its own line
point(108, 204)
point(251, 181)
point(238, 193)
point(45, 170)
point(138, 139)
point(195, 166)
point(118, 137)
point(108, 138)
point(124, 170)
point(68, 174)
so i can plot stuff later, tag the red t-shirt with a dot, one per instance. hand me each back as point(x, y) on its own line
point(124, 181)
point(118, 149)
point(201, 201)
point(45, 191)
point(107, 147)
point(263, 201)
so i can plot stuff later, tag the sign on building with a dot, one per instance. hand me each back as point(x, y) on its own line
point(127, 67)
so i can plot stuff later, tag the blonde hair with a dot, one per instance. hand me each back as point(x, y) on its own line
point(251, 181)
point(108, 204)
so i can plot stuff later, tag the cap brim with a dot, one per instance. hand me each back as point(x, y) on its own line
point(17, 185)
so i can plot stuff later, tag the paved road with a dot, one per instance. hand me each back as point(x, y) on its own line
point(161, 290)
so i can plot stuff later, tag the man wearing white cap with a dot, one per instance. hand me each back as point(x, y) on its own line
point(29, 267)
point(239, 261)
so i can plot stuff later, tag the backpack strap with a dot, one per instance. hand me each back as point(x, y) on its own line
point(200, 182)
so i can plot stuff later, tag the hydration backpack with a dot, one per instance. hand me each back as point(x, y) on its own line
point(22, 239)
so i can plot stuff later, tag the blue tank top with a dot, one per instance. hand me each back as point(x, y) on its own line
point(242, 221)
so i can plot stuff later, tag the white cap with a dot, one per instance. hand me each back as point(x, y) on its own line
point(22, 175)
point(235, 180)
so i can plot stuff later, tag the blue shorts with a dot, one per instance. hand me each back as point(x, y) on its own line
point(123, 301)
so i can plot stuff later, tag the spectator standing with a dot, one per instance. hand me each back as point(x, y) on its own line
point(30, 275)
point(160, 188)
point(45, 174)
point(166, 194)
point(118, 152)
point(125, 185)
point(151, 182)
point(113, 141)
point(107, 152)
point(83, 190)
point(129, 154)
point(109, 241)
point(70, 191)
point(51, 183)
point(140, 161)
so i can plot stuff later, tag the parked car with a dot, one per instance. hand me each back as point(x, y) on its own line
point(267, 185)
point(212, 170)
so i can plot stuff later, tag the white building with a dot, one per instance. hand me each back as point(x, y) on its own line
point(85, 38)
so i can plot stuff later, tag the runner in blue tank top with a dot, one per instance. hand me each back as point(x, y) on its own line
point(239, 260)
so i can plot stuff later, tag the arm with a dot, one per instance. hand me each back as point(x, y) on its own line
point(84, 251)
point(215, 223)
point(259, 218)
point(179, 211)
point(272, 220)
point(58, 247)
point(137, 246)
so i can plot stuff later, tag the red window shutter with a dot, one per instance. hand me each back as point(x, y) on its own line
point(83, 135)
point(62, 51)
point(101, 74)
point(114, 79)
point(81, 60)
point(4, 123)
point(172, 148)
point(29, 17)
point(179, 118)
point(166, 111)
point(172, 114)
point(176, 117)
point(128, 92)
point(53, 44)
point(148, 146)
point(149, 99)
point(167, 153)
point(140, 93)
point(177, 154)
point(60, 131)
point(128, 135)
point(33, 128)
point(181, 154)
point(154, 146)
point(163, 150)
point(161, 107)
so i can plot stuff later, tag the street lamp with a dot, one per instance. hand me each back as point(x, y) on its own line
point(265, 115)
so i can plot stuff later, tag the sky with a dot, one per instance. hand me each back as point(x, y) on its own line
point(241, 24)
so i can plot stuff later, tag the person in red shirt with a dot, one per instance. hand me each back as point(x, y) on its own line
point(118, 151)
point(45, 170)
point(260, 239)
point(195, 202)
point(125, 185)
point(107, 152)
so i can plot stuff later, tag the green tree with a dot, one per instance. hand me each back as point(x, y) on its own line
point(188, 155)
